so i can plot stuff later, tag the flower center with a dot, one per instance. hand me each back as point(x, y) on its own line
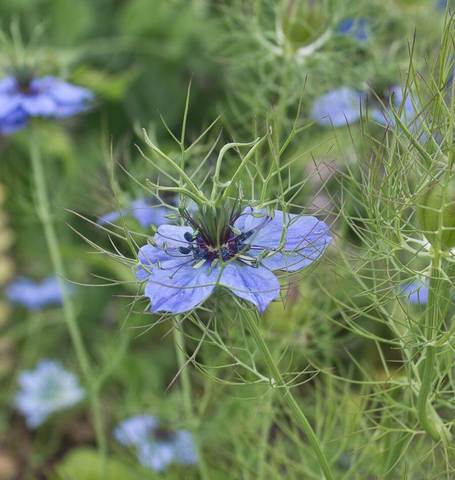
point(204, 250)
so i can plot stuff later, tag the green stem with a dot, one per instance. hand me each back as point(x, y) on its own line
point(43, 208)
point(289, 398)
point(179, 342)
point(427, 415)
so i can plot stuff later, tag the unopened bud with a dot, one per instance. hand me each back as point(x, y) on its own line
point(436, 214)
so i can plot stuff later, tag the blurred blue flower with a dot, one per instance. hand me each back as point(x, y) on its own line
point(47, 389)
point(155, 446)
point(398, 102)
point(183, 266)
point(338, 107)
point(356, 28)
point(142, 210)
point(38, 97)
point(416, 292)
point(35, 295)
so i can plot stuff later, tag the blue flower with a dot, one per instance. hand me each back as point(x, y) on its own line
point(156, 447)
point(47, 389)
point(338, 107)
point(142, 210)
point(38, 97)
point(399, 102)
point(184, 264)
point(35, 295)
point(356, 28)
point(416, 292)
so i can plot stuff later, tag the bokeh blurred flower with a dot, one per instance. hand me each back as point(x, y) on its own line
point(46, 389)
point(356, 28)
point(399, 103)
point(22, 98)
point(142, 210)
point(156, 447)
point(416, 292)
point(338, 107)
point(35, 295)
point(185, 263)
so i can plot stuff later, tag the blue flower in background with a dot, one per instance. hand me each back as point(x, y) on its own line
point(416, 292)
point(184, 265)
point(35, 295)
point(356, 28)
point(38, 97)
point(398, 102)
point(142, 210)
point(46, 389)
point(156, 447)
point(338, 107)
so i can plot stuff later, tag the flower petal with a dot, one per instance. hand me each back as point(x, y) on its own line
point(257, 285)
point(155, 258)
point(180, 289)
point(172, 235)
point(305, 240)
point(40, 104)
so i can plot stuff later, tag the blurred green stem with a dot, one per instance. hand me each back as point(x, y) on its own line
point(43, 209)
point(279, 382)
point(428, 417)
point(179, 342)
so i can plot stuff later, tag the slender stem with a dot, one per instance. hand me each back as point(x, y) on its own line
point(289, 398)
point(428, 417)
point(179, 342)
point(43, 208)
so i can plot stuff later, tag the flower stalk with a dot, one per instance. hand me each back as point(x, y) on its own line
point(288, 397)
point(428, 417)
point(179, 343)
point(43, 209)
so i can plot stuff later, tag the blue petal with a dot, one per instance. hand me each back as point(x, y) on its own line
point(416, 292)
point(180, 289)
point(8, 85)
point(111, 217)
point(136, 430)
point(69, 99)
point(156, 455)
point(184, 448)
point(173, 236)
point(338, 107)
point(305, 238)
point(256, 285)
point(147, 214)
point(39, 105)
point(357, 28)
point(155, 258)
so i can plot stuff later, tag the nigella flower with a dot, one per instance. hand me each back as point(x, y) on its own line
point(23, 96)
point(416, 292)
point(338, 107)
point(356, 28)
point(142, 210)
point(156, 447)
point(399, 103)
point(35, 295)
point(185, 263)
point(46, 389)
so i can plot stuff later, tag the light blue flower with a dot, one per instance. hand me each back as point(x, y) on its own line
point(142, 210)
point(356, 28)
point(184, 264)
point(416, 292)
point(35, 295)
point(399, 103)
point(156, 447)
point(339, 107)
point(47, 389)
point(26, 97)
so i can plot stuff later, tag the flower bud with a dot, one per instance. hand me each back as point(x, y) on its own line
point(436, 214)
point(303, 26)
